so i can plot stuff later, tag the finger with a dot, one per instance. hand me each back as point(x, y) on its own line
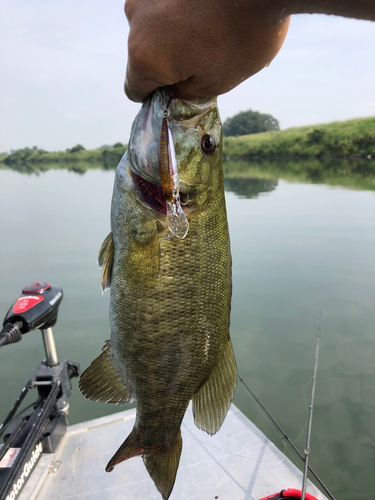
point(143, 90)
point(143, 74)
point(178, 92)
point(137, 85)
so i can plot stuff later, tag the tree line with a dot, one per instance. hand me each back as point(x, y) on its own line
point(249, 122)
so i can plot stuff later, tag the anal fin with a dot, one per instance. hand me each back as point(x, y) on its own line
point(105, 261)
point(212, 401)
point(101, 382)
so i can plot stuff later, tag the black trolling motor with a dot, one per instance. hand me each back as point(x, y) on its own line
point(27, 436)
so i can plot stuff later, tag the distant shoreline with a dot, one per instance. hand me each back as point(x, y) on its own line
point(105, 157)
point(348, 139)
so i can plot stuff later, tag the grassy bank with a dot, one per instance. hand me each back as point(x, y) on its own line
point(105, 157)
point(337, 139)
point(341, 139)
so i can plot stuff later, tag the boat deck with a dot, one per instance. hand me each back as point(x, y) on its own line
point(238, 463)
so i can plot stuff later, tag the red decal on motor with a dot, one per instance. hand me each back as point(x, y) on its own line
point(26, 302)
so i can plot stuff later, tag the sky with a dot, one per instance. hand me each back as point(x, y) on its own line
point(62, 66)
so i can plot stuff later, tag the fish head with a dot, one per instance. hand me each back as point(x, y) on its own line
point(197, 135)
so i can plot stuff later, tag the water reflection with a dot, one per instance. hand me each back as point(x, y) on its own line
point(249, 187)
point(250, 178)
point(350, 172)
point(304, 249)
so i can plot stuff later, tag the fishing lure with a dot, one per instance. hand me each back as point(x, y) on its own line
point(170, 181)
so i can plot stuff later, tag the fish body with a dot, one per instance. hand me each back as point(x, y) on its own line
point(170, 298)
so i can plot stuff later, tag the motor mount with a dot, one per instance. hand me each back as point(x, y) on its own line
point(27, 436)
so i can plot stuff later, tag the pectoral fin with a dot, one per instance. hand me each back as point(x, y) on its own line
point(105, 260)
point(212, 401)
point(101, 382)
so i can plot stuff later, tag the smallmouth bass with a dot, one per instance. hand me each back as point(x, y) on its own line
point(170, 297)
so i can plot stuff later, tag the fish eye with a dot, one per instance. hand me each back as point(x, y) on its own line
point(208, 144)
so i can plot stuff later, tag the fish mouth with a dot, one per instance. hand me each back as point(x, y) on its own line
point(144, 155)
point(150, 194)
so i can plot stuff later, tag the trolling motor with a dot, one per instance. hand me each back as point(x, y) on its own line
point(26, 437)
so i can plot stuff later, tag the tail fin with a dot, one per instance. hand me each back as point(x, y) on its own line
point(161, 464)
point(162, 467)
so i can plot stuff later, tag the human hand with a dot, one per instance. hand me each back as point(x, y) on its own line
point(200, 48)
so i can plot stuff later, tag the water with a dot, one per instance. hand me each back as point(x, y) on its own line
point(300, 251)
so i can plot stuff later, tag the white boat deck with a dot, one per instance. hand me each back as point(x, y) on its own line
point(238, 463)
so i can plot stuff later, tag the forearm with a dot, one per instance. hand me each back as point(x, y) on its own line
point(206, 48)
point(357, 9)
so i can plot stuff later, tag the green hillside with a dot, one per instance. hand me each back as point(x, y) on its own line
point(343, 139)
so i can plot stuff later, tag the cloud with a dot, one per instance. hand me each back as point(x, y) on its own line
point(324, 72)
point(63, 66)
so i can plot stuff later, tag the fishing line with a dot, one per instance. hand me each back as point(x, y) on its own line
point(269, 424)
point(228, 452)
point(292, 456)
point(306, 415)
point(170, 100)
point(284, 436)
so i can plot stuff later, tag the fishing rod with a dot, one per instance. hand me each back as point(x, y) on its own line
point(307, 449)
point(308, 467)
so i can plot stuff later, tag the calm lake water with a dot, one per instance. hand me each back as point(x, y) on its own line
point(300, 251)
